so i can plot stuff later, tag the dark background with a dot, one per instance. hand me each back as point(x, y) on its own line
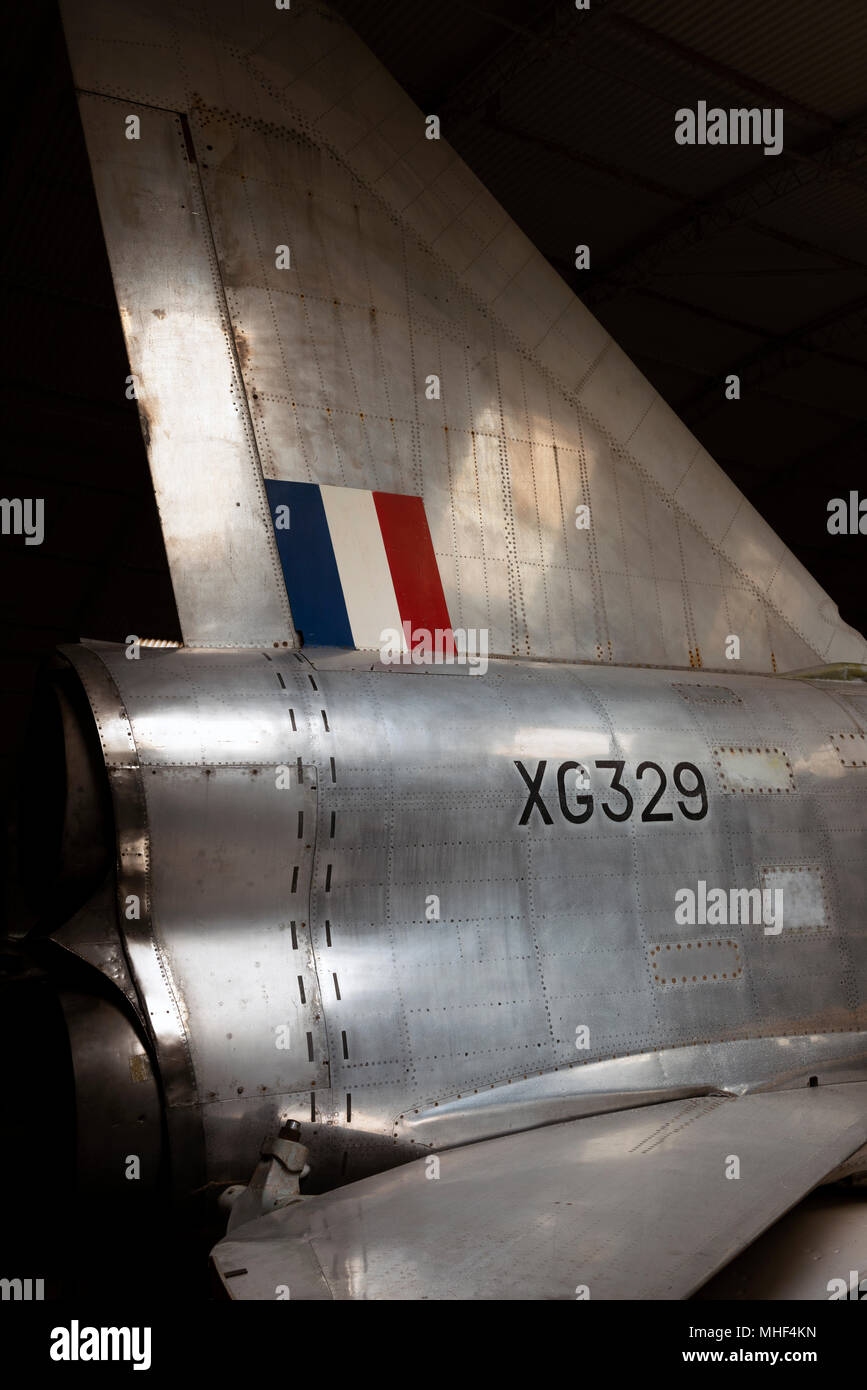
point(704, 261)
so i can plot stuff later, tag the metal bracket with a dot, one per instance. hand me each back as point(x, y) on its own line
point(276, 1178)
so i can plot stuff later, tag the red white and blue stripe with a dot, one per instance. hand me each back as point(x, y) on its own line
point(357, 564)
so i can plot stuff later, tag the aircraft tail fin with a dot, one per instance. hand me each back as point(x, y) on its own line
point(315, 289)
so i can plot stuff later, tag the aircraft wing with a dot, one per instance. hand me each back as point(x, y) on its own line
point(640, 1204)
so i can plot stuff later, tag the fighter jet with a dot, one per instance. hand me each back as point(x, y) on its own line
point(480, 883)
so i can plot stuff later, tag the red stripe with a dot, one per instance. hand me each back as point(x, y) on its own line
point(414, 570)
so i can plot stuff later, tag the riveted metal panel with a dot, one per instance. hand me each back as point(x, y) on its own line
point(159, 1002)
point(204, 464)
point(460, 928)
point(754, 771)
point(573, 515)
point(232, 810)
point(852, 748)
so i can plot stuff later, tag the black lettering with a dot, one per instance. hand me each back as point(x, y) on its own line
point(616, 786)
point(647, 813)
point(699, 790)
point(535, 798)
point(582, 816)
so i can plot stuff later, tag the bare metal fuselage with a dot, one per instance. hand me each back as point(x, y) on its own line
point(385, 902)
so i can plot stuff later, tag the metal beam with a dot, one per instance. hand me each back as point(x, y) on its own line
point(831, 153)
point(737, 202)
point(589, 161)
point(620, 173)
point(556, 26)
point(785, 352)
point(828, 412)
point(771, 341)
point(821, 347)
point(818, 454)
point(645, 37)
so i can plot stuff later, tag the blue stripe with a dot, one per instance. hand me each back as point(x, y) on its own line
point(309, 567)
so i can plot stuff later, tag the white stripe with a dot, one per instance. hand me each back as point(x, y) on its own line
point(362, 564)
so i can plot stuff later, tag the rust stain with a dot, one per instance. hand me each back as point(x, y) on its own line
point(244, 351)
point(144, 418)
